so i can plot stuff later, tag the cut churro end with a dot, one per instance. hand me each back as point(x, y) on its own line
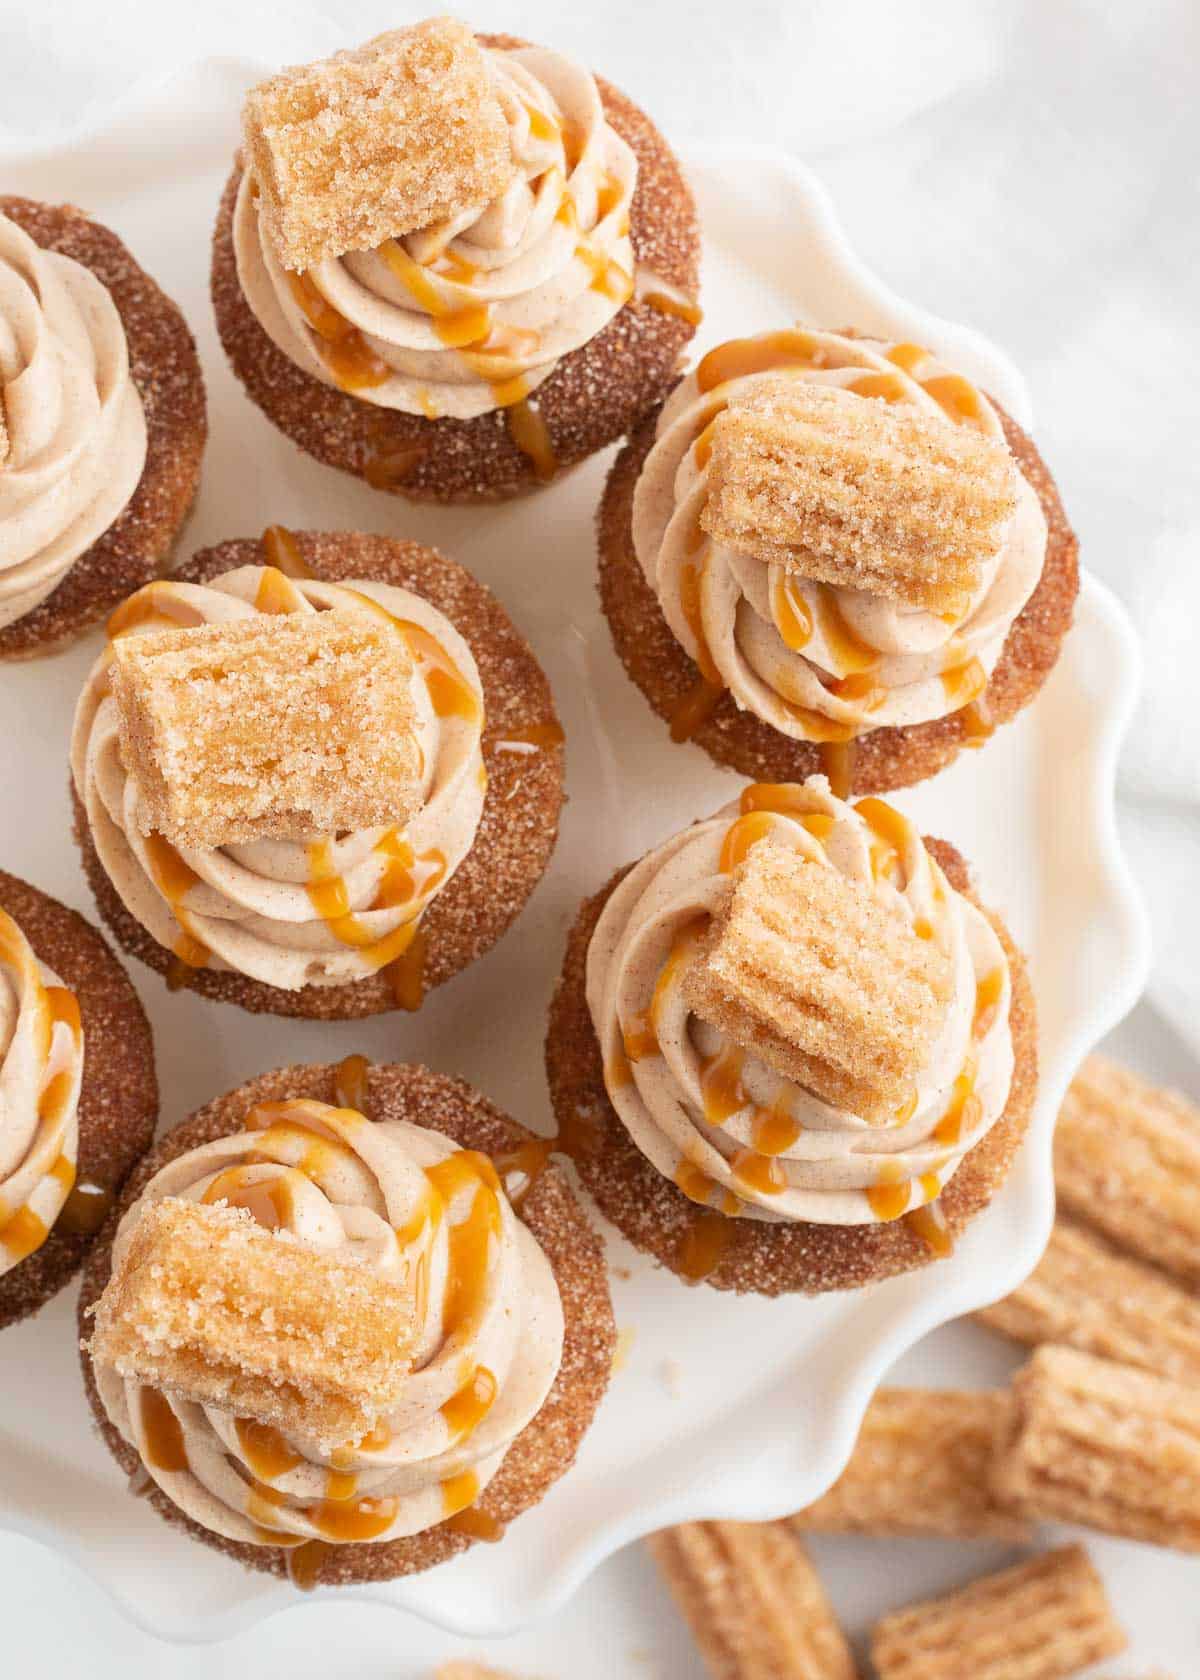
point(1088, 1296)
point(854, 491)
point(1105, 1445)
point(288, 726)
point(1042, 1620)
point(213, 1306)
point(753, 1601)
point(824, 980)
point(370, 144)
point(1127, 1160)
point(922, 1465)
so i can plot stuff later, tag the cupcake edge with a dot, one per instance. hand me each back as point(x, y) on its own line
point(760, 1258)
point(546, 1447)
point(519, 827)
point(166, 370)
point(118, 1099)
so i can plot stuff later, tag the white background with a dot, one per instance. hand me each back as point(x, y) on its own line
point(1029, 169)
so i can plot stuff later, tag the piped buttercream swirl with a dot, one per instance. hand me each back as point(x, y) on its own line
point(733, 1134)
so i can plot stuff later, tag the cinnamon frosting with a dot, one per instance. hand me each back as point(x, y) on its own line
point(41, 1066)
point(816, 661)
point(408, 1203)
point(76, 430)
point(732, 1133)
point(290, 913)
point(473, 314)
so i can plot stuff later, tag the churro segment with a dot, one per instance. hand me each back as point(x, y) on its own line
point(855, 491)
point(824, 980)
point(212, 1306)
point(922, 1465)
point(1105, 1445)
point(1127, 1160)
point(281, 726)
point(372, 143)
point(1088, 1296)
point(1041, 1620)
point(753, 1601)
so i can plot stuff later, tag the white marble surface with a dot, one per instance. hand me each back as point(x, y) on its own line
point(1026, 167)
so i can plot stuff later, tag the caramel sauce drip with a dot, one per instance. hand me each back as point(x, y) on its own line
point(347, 1520)
point(957, 397)
point(529, 431)
point(476, 1525)
point(787, 799)
point(350, 1084)
point(470, 1240)
point(929, 1223)
point(466, 1410)
point(530, 1159)
point(391, 468)
point(889, 1198)
point(964, 1109)
point(977, 721)
point(267, 1200)
point(693, 709)
point(304, 1563)
point(743, 833)
point(790, 613)
point(407, 974)
point(837, 761)
point(24, 1233)
point(683, 308)
point(458, 1492)
point(907, 356)
point(987, 1002)
point(885, 385)
point(741, 356)
point(345, 352)
point(964, 683)
point(543, 736)
point(161, 1431)
point(175, 879)
point(265, 1451)
point(154, 604)
point(86, 1208)
point(704, 1245)
point(276, 593)
point(281, 549)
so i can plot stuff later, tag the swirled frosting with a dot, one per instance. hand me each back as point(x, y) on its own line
point(284, 912)
point(41, 1066)
point(816, 661)
point(474, 314)
point(74, 419)
point(729, 1131)
point(489, 1331)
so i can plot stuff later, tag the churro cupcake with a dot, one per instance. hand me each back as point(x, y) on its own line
point(453, 265)
point(406, 1326)
point(317, 794)
point(833, 553)
point(78, 1096)
point(790, 1049)
point(102, 425)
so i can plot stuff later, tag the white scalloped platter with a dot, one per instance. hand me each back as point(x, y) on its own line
point(724, 1407)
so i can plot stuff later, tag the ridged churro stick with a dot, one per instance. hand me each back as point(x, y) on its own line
point(753, 1601)
point(922, 1465)
point(1104, 1445)
point(1127, 1160)
point(1086, 1295)
point(1042, 1620)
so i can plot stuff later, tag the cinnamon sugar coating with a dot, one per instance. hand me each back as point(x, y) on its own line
point(883, 758)
point(1044, 1619)
point(857, 492)
point(519, 825)
point(210, 1304)
point(593, 397)
point(4, 445)
point(545, 1449)
point(765, 1259)
point(283, 727)
point(374, 142)
point(822, 979)
point(164, 366)
point(118, 1100)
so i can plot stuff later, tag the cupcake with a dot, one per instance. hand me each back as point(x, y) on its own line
point(102, 425)
point(453, 265)
point(78, 1096)
point(406, 1326)
point(318, 794)
point(791, 1049)
point(833, 553)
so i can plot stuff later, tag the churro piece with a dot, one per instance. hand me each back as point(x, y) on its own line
point(1088, 1296)
point(370, 144)
point(211, 1305)
point(824, 980)
point(289, 726)
point(753, 1601)
point(854, 491)
point(922, 1465)
point(1127, 1160)
point(1105, 1445)
point(1042, 1620)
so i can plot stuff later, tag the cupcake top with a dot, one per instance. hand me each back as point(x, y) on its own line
point(280, 774)
point(72, 426)
point(363, 1362)
point(433, 224)
point(800, 1019)
point(41, 1068)
point(836, 531)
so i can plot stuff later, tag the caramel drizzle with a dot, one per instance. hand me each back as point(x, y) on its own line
point(174, 879)
point(281, 549)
